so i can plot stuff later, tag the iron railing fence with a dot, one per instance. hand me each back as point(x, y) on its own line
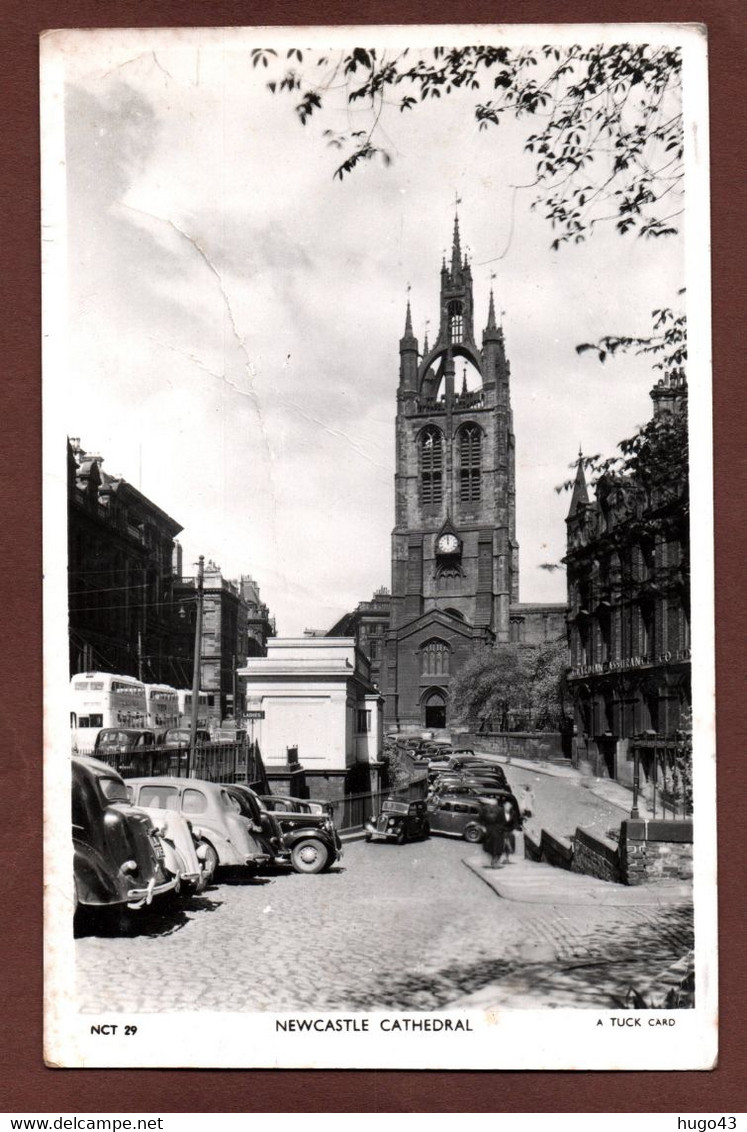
point(232, 762)
point(354, 810)
point(212, 762)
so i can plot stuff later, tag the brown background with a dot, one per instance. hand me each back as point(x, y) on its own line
point(28, 1085)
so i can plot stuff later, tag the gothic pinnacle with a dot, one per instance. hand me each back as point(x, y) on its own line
point(456, 251)
point(491, 312)
point(408, 322)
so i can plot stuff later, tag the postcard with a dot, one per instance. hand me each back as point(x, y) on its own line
point(377, 403)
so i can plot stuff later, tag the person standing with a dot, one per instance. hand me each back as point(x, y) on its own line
point(526, 802)
point(495, 833)
point(512, 822)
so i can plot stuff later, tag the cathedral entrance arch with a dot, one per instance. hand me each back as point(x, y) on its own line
point(434, 708)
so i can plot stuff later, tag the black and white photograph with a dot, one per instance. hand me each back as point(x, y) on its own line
point(378, 548)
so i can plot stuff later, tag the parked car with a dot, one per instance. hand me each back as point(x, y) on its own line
point(118, 857)
point(231, 838)
point(398, 821)
point(120, 740)
point(468, 784)
point(229, 735)
point(282, 803)
point(457, 817)
point(310, 841)
point(178, 737)
point(266, 823)
point(477, 768)
point(186, 853)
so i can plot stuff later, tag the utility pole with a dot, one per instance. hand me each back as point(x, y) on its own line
point(196, 670)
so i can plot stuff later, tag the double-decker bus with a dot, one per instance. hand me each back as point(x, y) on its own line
point(208, 709)
point(103, 699)
point(163, 706)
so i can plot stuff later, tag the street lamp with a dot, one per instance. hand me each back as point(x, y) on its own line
point(196, 666)
point(634, 813)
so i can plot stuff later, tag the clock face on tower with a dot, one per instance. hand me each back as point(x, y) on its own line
point(447, 544)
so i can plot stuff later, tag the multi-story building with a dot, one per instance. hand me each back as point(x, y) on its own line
point(629, 614)
point(368, 624)
point(224, 635)
point(455, 556)
point(259, 624)
point(121, 556)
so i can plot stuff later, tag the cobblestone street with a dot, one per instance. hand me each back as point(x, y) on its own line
point(408, 928)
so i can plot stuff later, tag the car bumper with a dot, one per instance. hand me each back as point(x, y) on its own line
point(137, 897)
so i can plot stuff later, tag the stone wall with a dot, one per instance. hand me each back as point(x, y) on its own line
point(556, 851)
point(649, 852)
point(653, 851)
point(595, 856)
point(538, 746)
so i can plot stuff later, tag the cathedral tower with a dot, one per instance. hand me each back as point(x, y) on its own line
point(455, 567)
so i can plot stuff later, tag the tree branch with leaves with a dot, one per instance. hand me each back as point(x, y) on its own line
point(609, 143)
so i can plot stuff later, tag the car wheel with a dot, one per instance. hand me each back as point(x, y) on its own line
point(211, 863)
point(401, 837)
point(368, 837)
point(309, 856)
point(473, 834)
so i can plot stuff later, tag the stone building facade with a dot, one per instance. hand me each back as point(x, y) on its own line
point(122, 558)
point(318, 717)
point(259, 624)
point(629, 618)
point(368, 624)
point(455, 556)
point(236, 624)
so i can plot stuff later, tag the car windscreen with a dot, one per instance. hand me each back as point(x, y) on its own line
point(114, 790)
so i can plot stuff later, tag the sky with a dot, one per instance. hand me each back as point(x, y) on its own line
point(233, 312)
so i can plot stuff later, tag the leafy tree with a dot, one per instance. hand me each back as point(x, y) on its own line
point(608, 134)
point(550, 709)
point(507, 687)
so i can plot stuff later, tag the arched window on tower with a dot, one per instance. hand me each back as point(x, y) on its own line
point(435, 658)
point(469, 463)
point(431, 465)
point(456, 321)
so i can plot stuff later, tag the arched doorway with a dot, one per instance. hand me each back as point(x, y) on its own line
point(435, 709)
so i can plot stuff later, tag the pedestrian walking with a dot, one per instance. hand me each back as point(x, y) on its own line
point(526, 802)
point(495, 833)
point(512, 821)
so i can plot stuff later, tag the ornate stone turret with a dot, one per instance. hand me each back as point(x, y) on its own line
point(408, 355)
point(580, 496)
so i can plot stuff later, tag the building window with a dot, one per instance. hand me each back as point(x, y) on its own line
point(431, 466)
point(469, 464)
point(363, 724)
point(456, 322)
point(435, 658)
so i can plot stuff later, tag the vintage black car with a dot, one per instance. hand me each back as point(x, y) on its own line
point(284, 803)
point(118, 857)
point(309, 842)
point(121, 740)
point(462, 815)
point(457, 816)
point(399, 822)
